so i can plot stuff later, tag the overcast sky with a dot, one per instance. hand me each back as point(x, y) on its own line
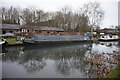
point(110, 7)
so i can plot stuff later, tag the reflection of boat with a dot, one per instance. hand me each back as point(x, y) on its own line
point(109, 38)
point(108, 43)
point(57, 48)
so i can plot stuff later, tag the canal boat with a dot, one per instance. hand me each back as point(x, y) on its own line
point(108, 37)
point(59, 38)
point(2, 42)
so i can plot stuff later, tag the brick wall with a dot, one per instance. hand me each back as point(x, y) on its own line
point(27, 27)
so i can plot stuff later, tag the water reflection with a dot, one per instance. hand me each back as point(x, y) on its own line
point(105, 47)
point(52, 60)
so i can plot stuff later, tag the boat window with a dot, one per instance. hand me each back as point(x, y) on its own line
point(114, 36)
point(102, 36)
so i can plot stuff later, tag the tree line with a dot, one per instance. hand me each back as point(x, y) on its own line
point(85, 19)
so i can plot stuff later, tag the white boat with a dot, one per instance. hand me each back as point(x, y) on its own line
point(2, 42)
point(109, 37)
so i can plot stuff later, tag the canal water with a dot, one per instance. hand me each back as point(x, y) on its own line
point(52, 61)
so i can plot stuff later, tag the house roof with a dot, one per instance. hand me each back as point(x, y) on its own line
point(46, 28)
point(14, 26)
point(10, 26)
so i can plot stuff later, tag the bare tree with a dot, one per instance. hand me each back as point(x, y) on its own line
point(89, 17)
point(26, 16)
point(63, 18)
point(3, 13)
point(10, 15)
point(15, 16)
point(70, 21)
point(32, 17)
point(94, 12)
point(82, 23)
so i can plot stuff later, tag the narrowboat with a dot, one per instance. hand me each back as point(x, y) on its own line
point(108, 38)
point(59, 38)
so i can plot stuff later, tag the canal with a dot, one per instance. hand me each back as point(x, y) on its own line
point(53, 61)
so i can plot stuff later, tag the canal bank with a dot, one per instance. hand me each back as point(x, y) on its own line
point(115, 73)
point(104, 64)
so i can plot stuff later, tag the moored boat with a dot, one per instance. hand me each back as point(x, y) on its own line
point(59, 38)
point(2, 42)
point(108, 38)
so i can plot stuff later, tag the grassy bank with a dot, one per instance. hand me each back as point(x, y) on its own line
point(115, 73)
point(12, 41)
point(95, 38)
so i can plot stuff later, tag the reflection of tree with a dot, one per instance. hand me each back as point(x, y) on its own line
point(11, 53)
point(68, 62)
point(29, 61)
point(34, 65)
point(63, 66)
point(78, 63)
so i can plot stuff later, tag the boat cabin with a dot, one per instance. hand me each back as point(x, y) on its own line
point(109, 37)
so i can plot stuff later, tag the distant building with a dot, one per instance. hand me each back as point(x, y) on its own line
point(13, 30)
point(10, 29)
point(109, 31)
point(46, 30)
